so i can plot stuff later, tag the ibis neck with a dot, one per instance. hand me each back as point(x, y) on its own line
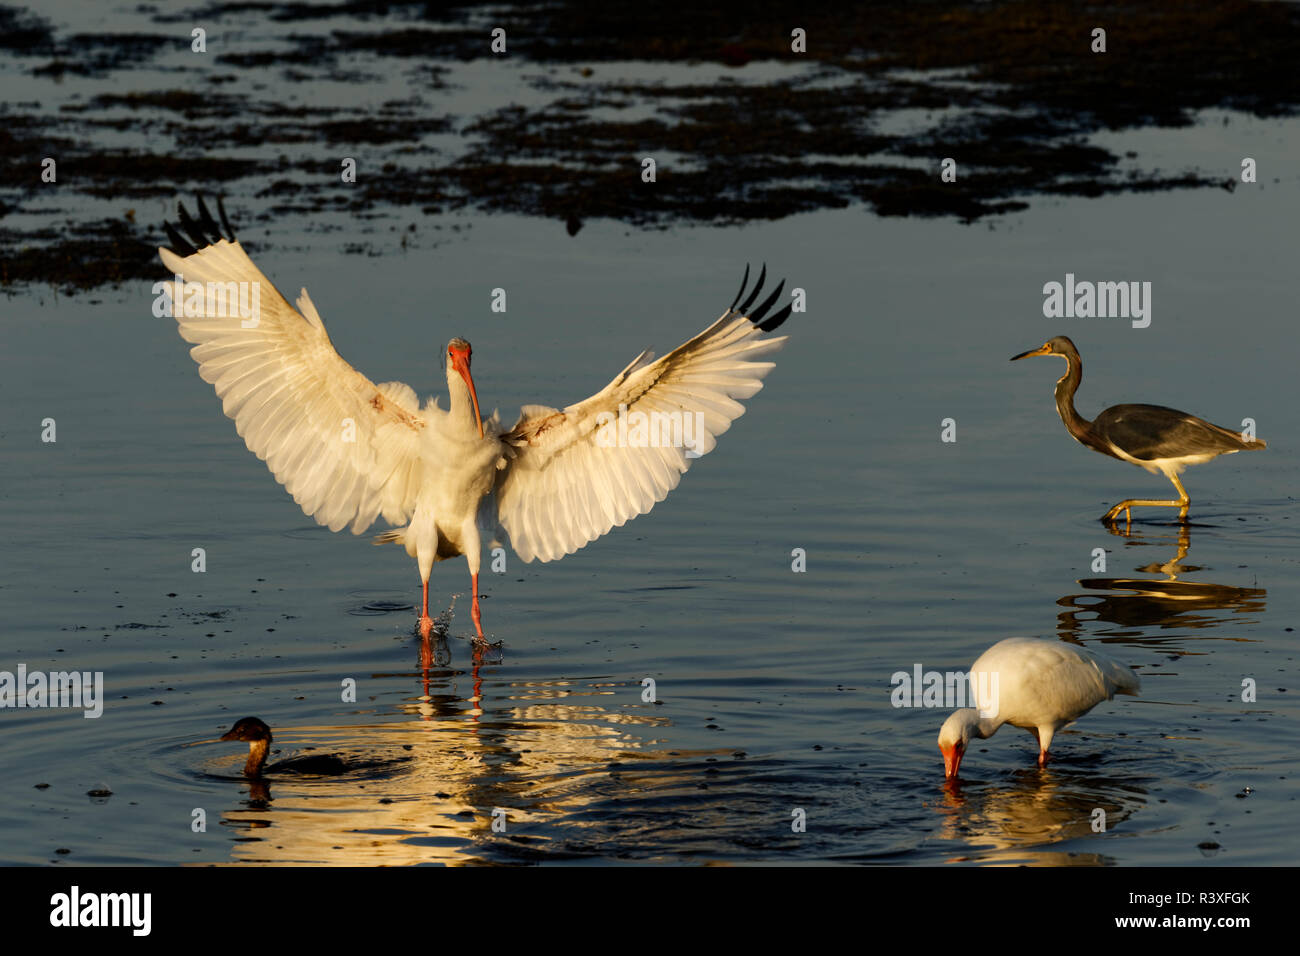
point(1066, 386)
point(975, 727)
point(982, 727)
point(986, 727)
point(462, 410)
point(257, 750)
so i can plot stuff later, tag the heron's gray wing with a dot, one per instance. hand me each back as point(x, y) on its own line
point(1152, 432)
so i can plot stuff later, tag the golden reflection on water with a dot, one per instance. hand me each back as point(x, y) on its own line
point(1017, 822)
point(430, 788)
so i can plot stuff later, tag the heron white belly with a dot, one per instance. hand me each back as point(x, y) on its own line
point(1167, 466)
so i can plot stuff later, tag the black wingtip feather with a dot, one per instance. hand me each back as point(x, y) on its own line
point(209, 224)
point(202, 232)
point(743, 282)
point(776, 320)
point(758, 287)
point(179, 245)
point(192, 229)
point(757, 315)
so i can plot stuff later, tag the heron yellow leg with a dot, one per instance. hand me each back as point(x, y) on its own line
point(1128, 503)
point(1183, 500)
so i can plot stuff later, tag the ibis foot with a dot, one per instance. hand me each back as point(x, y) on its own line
point(474, 612)
point(426, 626)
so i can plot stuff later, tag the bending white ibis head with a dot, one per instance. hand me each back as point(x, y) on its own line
point(1161, 440)
point(1037, 685)
point(351, 451)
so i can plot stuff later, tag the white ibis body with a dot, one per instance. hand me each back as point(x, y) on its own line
point(1161, 440)
point(1034, 684)
point(351, 451)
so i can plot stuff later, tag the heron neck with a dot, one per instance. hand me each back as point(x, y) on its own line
point(257, 750)
point(1066, 386)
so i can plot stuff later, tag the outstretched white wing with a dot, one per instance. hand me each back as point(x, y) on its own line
point(345, 448)
point(576, 473)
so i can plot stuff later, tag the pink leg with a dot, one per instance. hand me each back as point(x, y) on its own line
point(1042, 751)
point(426, 622)
point(474, 611)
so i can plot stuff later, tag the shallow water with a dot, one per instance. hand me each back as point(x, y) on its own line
point(773, 687)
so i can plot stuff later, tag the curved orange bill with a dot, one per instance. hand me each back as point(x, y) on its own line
point(460, 362)
point(951, 761)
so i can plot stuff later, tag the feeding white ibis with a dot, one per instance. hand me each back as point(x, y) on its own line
point(1035, 684)
point(350, 451)
point(1161, 440)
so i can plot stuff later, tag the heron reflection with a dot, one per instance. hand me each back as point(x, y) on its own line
point(1163, 602)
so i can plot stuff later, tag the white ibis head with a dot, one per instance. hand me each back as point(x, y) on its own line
point(458, 359)
point(954, 735)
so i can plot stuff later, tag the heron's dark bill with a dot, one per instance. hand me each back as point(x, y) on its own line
point(1041, 350)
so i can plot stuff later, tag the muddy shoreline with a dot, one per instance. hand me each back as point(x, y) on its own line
point(1011, 90)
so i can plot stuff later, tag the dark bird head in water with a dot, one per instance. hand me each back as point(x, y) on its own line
point(250, 728)
point(258, 736)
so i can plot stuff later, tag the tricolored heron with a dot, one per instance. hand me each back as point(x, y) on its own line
point(1161, 440)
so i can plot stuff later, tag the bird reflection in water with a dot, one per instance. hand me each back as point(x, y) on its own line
point(539, 750)
point(1026, 816)
point(1161, 602)
point(435, 665)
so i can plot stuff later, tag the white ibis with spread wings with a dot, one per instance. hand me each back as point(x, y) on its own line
point(351, 451)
